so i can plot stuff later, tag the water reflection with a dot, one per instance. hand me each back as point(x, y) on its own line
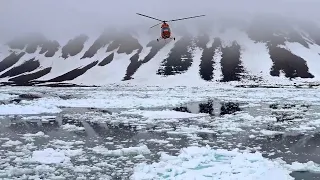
point(209, 106)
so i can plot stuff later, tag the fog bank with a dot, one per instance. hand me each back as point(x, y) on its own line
point(69, 17)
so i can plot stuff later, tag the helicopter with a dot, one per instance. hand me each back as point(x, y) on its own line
point(165, 28)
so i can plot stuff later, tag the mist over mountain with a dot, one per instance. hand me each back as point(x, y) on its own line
point(97, 43)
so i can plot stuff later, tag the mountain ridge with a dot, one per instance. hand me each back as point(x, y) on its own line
point(232, 53)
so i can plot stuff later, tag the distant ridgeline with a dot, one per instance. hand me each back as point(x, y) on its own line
point(259, 50)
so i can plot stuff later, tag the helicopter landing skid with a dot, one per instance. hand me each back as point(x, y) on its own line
point(167, 38)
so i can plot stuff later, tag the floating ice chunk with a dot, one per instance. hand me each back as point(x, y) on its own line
point(38, 134)
point(15, 171)
point(11, 143)
point(204, 163)
point(4, 96)
point(54, 177)
point(252, 136)
point(105, 177)
point(82, 169)
point(309, 166)
point(105, 164)
point(49, 156)
point(72, 127)
point(10, 109)
point(165, 114)
point(158, 141)
point(71, 153)
point(44, 169)
point(122, 152)
point(270, 133)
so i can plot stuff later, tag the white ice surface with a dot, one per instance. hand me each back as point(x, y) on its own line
point(72, 127)
point(140, 150)
point(49, 156)
point(165, 114)
point(204, 163)
point(4, 96)
point(9, 109)
point(11, 143)
point(133, 97)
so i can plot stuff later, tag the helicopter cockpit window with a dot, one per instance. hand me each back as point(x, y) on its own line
point(165, 29)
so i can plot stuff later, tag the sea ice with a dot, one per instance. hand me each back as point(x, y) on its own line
point(49, 156)
point(165, 114)
point(204, 163)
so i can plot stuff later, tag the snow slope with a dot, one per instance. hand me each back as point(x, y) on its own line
point(250, 52)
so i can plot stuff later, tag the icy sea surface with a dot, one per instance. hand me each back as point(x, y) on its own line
point(145, 133)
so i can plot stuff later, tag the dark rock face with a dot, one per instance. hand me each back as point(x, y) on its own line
point(155, 48)
point(275, 34)
point(136, 63)
point(26, 78)
point(125, 44)
point(27, 66)
point(128, 44)
point(292, 65)
point(74, 46)
point(231, 64)
point(101, 42)
point(50, 48)
point(180, 58)
point(74, 73)
point(133, 66)
point(113, 46)
point(106, 60)
point(207, 61)
point(10, 60)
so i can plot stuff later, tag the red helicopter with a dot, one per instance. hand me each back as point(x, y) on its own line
point(165, 29)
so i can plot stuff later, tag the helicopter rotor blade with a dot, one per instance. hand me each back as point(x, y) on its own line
point(156, 25)
point(185, 18)
point(149, 17)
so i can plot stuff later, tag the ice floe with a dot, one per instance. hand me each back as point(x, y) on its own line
point(49, 156)
point(164, 114)
point(11, 143)
point(72, 127)
point(204, 163)
point(122, 152)
point(4, 96)
point(9, 109)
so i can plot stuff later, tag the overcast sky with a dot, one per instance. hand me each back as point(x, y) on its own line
point(71, 17)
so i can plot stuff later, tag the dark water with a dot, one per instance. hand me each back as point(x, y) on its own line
point(301, 147)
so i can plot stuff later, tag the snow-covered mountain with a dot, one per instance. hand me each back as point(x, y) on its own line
point(262, 49)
